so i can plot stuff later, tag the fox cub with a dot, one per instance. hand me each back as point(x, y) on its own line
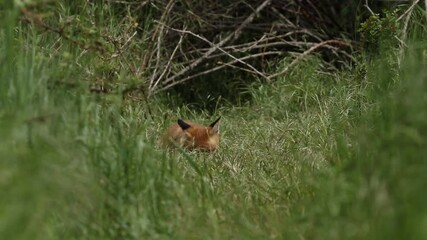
point(191, 135)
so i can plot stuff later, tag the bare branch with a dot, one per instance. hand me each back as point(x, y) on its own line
point(216, 69)
point(304, 54)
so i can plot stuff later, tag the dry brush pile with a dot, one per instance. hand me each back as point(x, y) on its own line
point(191, 39)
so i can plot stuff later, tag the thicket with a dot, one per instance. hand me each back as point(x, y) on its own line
point(200, 50)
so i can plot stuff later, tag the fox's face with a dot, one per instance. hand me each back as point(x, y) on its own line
point(194, 136)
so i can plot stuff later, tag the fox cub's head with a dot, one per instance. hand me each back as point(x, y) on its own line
point(195, 136)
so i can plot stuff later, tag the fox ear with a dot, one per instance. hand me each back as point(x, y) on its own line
point(183, 124)
point(215, 125)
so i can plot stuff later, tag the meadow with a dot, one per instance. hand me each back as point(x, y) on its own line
point(311, 155)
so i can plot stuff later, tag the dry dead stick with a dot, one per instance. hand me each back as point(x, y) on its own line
point(216, 69)
point(222, 50)
point(167, 67)
point(233, 35)
point(159, 33)
point(304, 54)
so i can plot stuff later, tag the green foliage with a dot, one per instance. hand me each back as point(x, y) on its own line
point(45, 186)
point(374, 193)
point(380, 31)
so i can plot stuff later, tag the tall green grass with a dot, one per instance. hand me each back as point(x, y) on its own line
point(312, 156)
point(46, 187)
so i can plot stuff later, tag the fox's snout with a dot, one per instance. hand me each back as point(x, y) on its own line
point(191, 135)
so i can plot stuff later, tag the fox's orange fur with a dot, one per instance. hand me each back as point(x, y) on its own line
point(192, 135)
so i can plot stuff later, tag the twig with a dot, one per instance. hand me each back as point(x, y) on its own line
point(222, 50)
point(402, 39)
point(167, 67)
point(235, 48)
point(369, 9)
point(159, 33)
point(304, 54)
point(408, 11)
point(122, 48)
point(243, 47)
point(216, 69)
